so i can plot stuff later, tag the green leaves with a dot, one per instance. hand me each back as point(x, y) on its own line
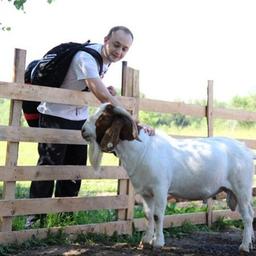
point(19, 4)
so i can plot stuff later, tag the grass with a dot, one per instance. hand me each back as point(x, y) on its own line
point(90, 239)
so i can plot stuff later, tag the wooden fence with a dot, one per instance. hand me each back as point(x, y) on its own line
point(124, 200)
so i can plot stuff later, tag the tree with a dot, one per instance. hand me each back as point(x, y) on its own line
point(19, 5)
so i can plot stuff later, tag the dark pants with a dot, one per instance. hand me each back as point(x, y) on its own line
point(59, 154)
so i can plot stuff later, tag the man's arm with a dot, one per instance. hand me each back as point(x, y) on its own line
point(100, 91)
point(103, 94)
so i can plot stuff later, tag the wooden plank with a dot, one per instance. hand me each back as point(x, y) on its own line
point(61, 172)
point(29, 134)
point(45, 135)
point(234, 114)
point(21, 91)
point(130, 87)
point(161, 106)
point(209, 109)
point(194, 110)
point(249, 143)
point(14, 120)
point(122, 189)
point(209, 117)
point(66, 204)
point(225, 214)
point(131, 201)
point(120, 227)
point(135, 93)
point(122, 185)
point(174, 220)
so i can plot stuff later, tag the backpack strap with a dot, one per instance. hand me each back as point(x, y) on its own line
point(95, 55)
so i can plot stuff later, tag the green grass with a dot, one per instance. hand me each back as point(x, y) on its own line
point(92, 239)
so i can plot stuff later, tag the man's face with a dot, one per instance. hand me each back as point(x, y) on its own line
point(117, 45)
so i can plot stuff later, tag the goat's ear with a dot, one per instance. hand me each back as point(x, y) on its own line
point(129, 130)
point(111, 136)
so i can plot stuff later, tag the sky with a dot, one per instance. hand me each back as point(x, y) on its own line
point(178, 44)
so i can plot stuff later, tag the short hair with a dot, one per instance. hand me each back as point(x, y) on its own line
point(116, 28)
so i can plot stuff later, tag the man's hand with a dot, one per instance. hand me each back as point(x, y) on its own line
point(112, 90)
point(149, 130)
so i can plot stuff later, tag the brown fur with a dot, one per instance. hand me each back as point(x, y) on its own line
point(112, 127)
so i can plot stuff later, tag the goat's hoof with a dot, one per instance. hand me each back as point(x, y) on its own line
point(157, 250)
point(144, 245)
point(243, 249)
point(158, 244)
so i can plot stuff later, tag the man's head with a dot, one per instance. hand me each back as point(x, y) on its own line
point(117, 43)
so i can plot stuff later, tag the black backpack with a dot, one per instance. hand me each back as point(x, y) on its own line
point(51, 71)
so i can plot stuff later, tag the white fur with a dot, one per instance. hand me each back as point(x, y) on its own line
point(187, 168)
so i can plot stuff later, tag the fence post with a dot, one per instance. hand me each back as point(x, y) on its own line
point(130, 87)
point(209, 116)
point(13, 147)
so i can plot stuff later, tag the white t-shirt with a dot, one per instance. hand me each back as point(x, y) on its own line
point(83, 66)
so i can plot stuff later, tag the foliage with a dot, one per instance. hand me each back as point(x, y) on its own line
point(19, 5)
point(4, 110)
point(172, 208)
point(157, 119)
point(51, 239)
point(223, 224)
point(245, 103)
point(186, 228)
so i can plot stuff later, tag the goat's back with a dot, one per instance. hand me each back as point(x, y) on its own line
point(193, 168)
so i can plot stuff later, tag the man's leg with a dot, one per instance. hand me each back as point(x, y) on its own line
point(49, 154)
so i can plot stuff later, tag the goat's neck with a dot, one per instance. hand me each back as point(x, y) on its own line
point(132, 152)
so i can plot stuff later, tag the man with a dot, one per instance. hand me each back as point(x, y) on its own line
point(83, 72)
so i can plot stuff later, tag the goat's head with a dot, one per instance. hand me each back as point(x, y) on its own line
point(106, 128)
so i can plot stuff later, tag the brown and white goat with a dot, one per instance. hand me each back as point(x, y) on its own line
point(160, 165)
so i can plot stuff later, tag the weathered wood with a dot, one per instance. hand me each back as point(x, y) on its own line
point(130, 87)
point(217, 214)
point(194, 110)
point(234, 114)
point(135, 93)
point(61, 172)
point(174, 220)
point(20, 91)
point(209, 117)
point(67, 204)
point(161, 106)
point(14, 120)
point(119, 227)
point(45, 135)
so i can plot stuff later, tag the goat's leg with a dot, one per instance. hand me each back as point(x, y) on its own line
point(148, 204)
point(160, 205)
point(245, 209)
point(252, 216)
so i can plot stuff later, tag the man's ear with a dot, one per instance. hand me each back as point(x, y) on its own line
point(111, 136)
point(106, 38)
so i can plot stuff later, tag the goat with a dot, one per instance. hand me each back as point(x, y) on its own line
point(159, 165)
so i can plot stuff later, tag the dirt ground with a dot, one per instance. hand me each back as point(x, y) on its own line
point(195, 244)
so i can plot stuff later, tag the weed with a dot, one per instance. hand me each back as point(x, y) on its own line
point(223, 224)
